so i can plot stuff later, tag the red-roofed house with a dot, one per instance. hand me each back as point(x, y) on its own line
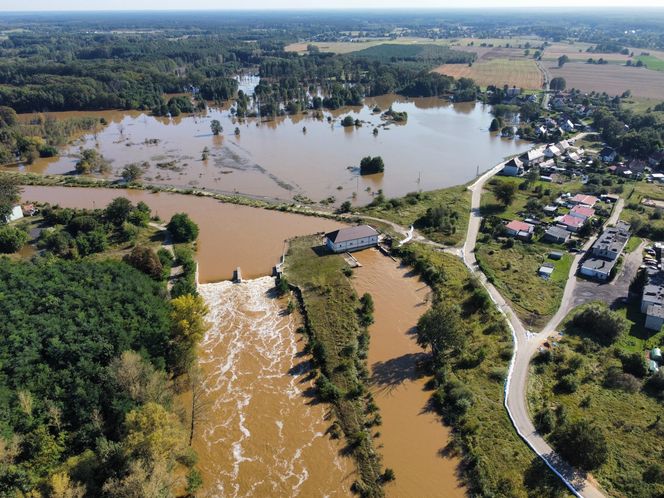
point(571, 223)
point(582, 212)
point(519, 229)
point(586, 200)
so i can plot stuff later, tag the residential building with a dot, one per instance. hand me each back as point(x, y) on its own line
point(16, 214)
point(545, 271)
point(583, 212)
point(586, 200)
point(513, 167)
point(571, 223)
point(553, 151)
point(520, 229)
point(352, 238)
point(611, 243)
point(532, 157)
point(597, 268)
point(654, 317)
point(608, 155)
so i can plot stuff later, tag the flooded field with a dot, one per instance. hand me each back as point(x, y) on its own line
point(412, 435)
point(230, 235)
point(262, 432)
point(442, 144)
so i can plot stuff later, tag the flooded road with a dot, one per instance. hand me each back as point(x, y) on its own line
point(441, 145)
point(262, 432)
point(412, 436)
point(230, 235)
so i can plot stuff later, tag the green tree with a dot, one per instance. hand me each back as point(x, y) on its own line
point(182, 228)
point(11, 239)
point(371, 165)
point(188, 327)
point(558, 83)
point(92, 161)
point(582, 444)
point(132, 172)
point(496, 124)
point(599, 322)
point(562, 60)
point(504, 193)
point(348, 121)
point(442, 329)
point(10, 194)
point(118, 210)
point(215, 127)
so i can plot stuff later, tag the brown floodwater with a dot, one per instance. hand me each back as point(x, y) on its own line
point(442, 144)
point(413, 437)
point(262, 433)
point(230, 235)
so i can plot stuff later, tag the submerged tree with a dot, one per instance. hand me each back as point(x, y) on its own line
point(215, 127)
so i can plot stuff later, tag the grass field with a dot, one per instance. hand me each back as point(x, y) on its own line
point(652, 62)
point(521, 73)
point(408, 210)
point(513, 270)
point(631, 420)
point(495, 460)
point(348, 47)
point(647, 216)
point(613, 79)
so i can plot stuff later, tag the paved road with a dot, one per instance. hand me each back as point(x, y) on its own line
point(526, 345)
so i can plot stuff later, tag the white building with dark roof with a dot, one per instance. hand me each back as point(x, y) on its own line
point(352, 238)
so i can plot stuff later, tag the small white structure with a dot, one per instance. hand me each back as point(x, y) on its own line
point(16, 214)
point(352, 238)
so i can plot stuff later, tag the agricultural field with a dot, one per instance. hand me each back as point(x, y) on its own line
point(576, 51)
point(356, 46)
point(652, 62)
point(521, 73)
point(613, 79)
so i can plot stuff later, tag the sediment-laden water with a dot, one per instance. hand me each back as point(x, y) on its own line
point(413, 438)
point(262, 434)
point(441, 145)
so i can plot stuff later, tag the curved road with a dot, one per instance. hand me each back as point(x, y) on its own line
point(526, 345)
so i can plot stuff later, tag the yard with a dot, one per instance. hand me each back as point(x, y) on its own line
point(648, 221)
point(630, 418)
point(522, 73)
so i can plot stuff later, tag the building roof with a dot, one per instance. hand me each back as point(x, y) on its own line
point(583, 211)
point(588, 200)
point(547, 270)
point(515, 162)
point(597, 264)
point(351, 233)
point(558, 233)
point(571, 221)
point(655, 310)
point(532, 154)
point(520, 226)
point(613, 239)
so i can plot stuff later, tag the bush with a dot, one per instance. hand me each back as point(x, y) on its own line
point(581, 444)
point(182, 228)
point(616, 379)
point(144, 259)
point(634, 363)
point(370, 165)
point(11, 239)
point(545, 421)
point(327, 391)
point(348, 121)
point(568, 383)
point(599, 322)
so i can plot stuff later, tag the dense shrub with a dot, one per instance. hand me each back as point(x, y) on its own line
point(182, 228)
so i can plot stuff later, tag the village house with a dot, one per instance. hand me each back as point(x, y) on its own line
point(556, 235)
point(352, 238)
point(513, 167)
point(553, 151)
point(607, 155)
point(519, 229)
point(571, 223)
point(583, 212)
point(532, 157)
point(583, 199)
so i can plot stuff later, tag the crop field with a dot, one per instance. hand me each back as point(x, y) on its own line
point(521, 73)
point(348, 47)
point(611, 78)
point(652, 62)
point(577, 52)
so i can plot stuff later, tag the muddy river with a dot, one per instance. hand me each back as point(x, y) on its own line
point(441, 145)
point(413, 437)
point(230, 235)
point(262, 433)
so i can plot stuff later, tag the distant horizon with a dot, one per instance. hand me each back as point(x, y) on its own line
point(74, 6)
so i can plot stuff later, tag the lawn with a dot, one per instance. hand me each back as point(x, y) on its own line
point(330, 308)
point(522, 73)
point(496, 461)
point(410, 209)
point(631, 419)
point(632, 244)
point(652, 62)
point(513, 270)
point(648, 220)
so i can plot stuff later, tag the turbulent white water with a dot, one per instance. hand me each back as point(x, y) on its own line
point(261, 434)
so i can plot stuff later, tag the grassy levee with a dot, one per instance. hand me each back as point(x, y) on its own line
point(582, 379)
point(338, 343)
point(469, 391)
point(412, 209)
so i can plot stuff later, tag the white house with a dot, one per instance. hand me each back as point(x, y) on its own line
point(352, 238)
point(597, 268)
point(16, 214)
point(513, 167)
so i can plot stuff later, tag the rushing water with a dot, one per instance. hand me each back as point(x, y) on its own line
point(413, 437)
point(441, 145)
point(230, 235)
point(262, 433)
